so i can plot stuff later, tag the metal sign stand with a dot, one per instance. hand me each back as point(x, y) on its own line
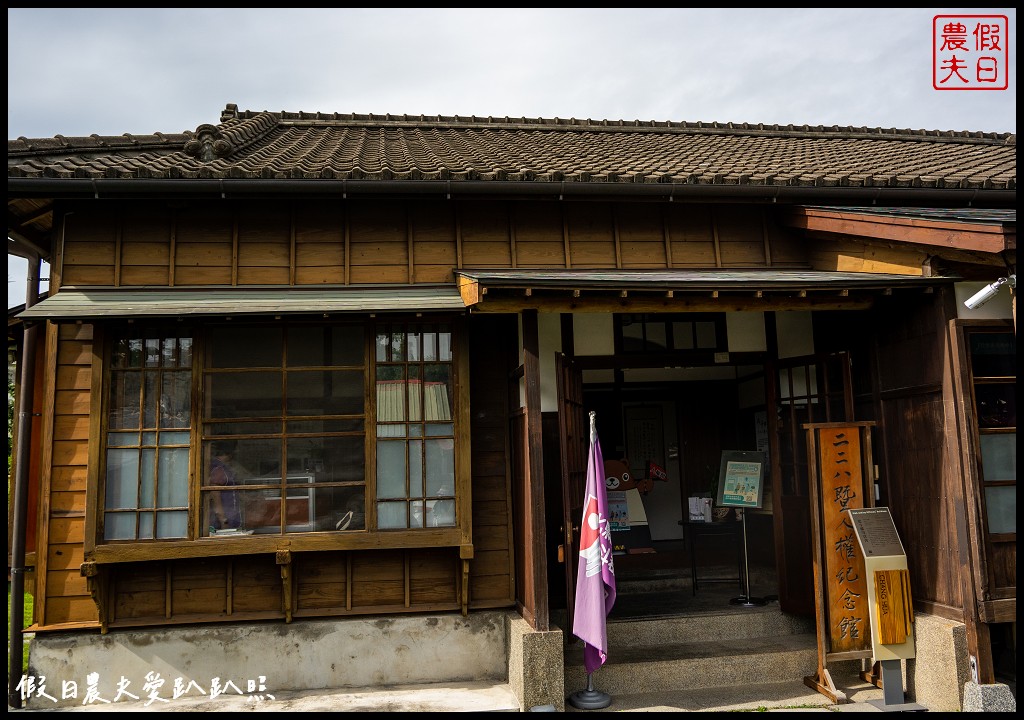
point(746, 600)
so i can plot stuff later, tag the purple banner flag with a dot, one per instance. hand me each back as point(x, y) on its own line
point(595, 578)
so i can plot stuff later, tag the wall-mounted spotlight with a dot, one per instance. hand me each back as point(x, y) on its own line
point(989, 291)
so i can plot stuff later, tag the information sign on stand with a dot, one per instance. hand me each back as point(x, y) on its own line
point(891, 608)
point(838, 454)
point(741, 485)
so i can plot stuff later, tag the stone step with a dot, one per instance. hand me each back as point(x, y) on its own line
point(712, 662)
point(724, 624)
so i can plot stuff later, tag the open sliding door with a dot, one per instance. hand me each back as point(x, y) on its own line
point(807, 389)
point(574, 437)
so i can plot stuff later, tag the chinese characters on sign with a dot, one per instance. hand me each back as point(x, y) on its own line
point(970, 52)
point(152, 689)
point(842, 489)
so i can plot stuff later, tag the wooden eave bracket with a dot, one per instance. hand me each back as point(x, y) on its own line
point(470, 291)
point(284, 559)
point(97, 584)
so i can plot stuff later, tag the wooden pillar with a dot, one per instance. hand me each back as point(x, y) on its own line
point(535, 540)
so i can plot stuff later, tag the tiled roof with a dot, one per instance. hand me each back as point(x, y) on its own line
point(314, 146)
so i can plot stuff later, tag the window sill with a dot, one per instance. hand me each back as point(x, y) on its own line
point(224, 545)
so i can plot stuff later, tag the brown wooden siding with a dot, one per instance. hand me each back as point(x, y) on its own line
point(910, 347)
point(388, 241)
point(67, 598)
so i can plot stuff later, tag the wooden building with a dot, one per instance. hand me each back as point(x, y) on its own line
point(299, 365)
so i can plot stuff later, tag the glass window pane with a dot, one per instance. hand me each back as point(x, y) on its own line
point(244, 428)
point(993, 354)
point(416, 468)
point(307, 346)
point(326, 426)
point(1001, 505)
point(348, 503)
point(416, 519)
point(150, 399)
point(152, 352)
point(261, 511)
point(149, 438)
point(231, 346)
point(125, 400)
point(122, 486)
point(444, 343)
point(391, 515)
point(172, 487)
point(706, 335)
point(415, 393)
point(397, 349)
point(185, 352)
point(392, 430)
point(146, 527)
point(442, 513)
point(391, 469)
point(175, 438)
point(656, 336)
point(245, 394)
point(997, 404)
point(435, 429)
point(147, 477)
point(430, 346)
point(632, 335)
point(122, 439)
point(330, 459)
point(413, 346)
point(682, 335)
point(381, 345)
point(437, 393)
point(325, 392)
point(176, 399)
point(172, 524)
point(119, 526)
point(440, 466)
point(391, 393)
point(169, 352)
point(999, 457)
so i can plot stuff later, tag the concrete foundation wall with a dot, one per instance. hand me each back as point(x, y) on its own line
point(935, 677)
point(535, 665)
point(305, 654)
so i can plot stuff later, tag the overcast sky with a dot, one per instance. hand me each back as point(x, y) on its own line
point(76, 72)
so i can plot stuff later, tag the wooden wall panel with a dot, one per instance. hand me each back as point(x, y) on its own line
point(86, 275)
point(199, 587)
point(740, 236)
point(139, 591)
point(591, 235)
point(68, 478)
point(433, 577)
point(539, 235)
point(692, 236)
point(641, 236)
point(65, 557)
point(321, 581)
point(142, 226)
point(485, 234)
point(212, 223)
point(378, 579)
point(66, 583)
point(256, 584)
point(71, 609)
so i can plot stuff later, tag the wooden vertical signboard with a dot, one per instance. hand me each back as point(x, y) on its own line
point(839, 462)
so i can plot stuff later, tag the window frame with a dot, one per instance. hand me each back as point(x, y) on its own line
point(195, 545)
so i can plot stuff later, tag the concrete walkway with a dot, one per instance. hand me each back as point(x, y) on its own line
point(489, 697)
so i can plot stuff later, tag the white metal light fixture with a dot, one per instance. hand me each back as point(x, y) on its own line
point(989, 291)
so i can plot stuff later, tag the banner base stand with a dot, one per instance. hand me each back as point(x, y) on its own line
point(590, 699)
point(745, 601)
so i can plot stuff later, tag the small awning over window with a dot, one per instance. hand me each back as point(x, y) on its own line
point(76, 303)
